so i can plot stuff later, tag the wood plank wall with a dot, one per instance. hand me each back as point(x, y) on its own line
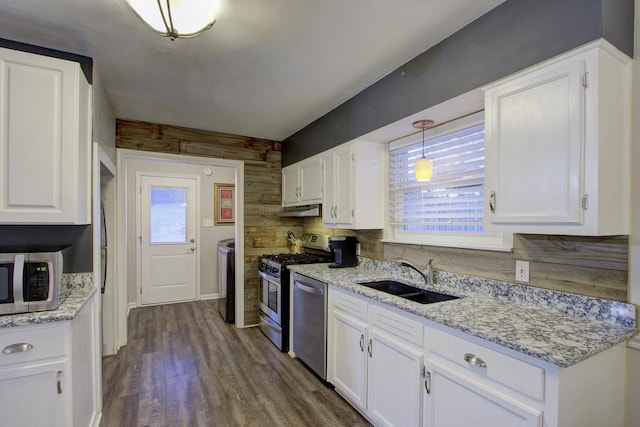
point(265, 232)
point(594, 266)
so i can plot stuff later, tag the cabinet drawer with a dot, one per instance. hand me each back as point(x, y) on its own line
point(513, 373)
point(46, 343)
point(396, 324)
point(350, 304)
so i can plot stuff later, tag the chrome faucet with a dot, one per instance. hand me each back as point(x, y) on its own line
point(428, 277)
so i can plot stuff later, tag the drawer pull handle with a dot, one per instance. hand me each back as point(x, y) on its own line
point(17, 348)
point(474, 360)
point(362, 342)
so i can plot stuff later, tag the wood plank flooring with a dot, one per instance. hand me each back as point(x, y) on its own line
point(183, 366)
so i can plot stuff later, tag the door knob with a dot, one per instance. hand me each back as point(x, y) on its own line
point(192, 240)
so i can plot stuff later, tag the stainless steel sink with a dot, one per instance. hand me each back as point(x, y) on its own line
point(409, 292)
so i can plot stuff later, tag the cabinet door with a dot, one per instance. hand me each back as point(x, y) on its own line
point(348, 357)
point(42, 117)
point(344, 184)
point(454, 399)
point(290, 186)
point(33, 395)
point(535, 147)
point(329, 190)
point(311, 182)
point(394, 381)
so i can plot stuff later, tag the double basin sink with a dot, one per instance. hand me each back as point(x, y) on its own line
point(408, 292)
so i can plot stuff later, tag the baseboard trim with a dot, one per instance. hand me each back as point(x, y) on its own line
point(210, 296)
point(130, 305)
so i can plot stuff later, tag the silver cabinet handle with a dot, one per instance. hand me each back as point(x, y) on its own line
point(362, 342)
point(474, 360)
point(427, 382)
point(492, 202)
point(17, 348)
point(59, 381)
point(369, 349)
point(335, 211)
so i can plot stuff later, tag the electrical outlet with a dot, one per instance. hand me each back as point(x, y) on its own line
point(522, 271)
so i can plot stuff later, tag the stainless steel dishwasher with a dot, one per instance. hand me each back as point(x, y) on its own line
point(310, 323)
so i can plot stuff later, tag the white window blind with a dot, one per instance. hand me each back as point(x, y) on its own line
point(453, 201)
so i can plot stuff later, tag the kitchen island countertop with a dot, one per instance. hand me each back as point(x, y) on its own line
point(534, 327)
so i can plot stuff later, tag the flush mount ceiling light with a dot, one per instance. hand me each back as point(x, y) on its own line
point(176, 18)
point(424, 166)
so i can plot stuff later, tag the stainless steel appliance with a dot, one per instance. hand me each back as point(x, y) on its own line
point(310, 323)
point(343, 250)
point(274, 290)
point(30, 281)
point(227, 279)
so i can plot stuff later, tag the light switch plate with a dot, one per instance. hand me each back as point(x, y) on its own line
point(522, 271)
point(207, 223)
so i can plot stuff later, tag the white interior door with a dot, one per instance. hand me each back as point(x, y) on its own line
point(167, 239)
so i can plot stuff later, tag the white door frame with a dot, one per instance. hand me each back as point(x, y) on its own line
point(139, 176)
point(105, 167)
point(124, 156)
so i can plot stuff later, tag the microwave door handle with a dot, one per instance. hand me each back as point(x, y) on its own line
point(18, 281)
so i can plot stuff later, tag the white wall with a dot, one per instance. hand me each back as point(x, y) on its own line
point(633, 354)
point(104, 119)
point(209, 236)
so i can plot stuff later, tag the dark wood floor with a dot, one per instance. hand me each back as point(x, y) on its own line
point(183, 366)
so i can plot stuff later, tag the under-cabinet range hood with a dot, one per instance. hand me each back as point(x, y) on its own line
point(301, 211)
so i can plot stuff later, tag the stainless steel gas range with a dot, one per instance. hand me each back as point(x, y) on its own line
point(274, 286)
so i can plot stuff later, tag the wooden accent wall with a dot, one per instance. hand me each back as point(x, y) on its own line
point(594, 266)
point(265, 231)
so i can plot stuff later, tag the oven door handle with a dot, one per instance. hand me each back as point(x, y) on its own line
point(309, 289)
point(265, 276)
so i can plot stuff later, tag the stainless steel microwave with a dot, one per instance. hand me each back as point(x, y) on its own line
point(30, 281)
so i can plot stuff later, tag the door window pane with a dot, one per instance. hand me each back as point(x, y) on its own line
point(168, 215)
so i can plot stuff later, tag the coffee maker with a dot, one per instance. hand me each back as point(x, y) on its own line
point(343, 251)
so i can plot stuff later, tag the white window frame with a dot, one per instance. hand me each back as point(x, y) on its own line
point(494, 241)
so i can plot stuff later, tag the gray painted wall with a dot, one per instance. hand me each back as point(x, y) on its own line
point(77, 241)
point(514, 35)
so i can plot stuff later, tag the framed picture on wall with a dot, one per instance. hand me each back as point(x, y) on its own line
point(223, 204)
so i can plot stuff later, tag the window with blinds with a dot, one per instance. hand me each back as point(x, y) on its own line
point(452, 202)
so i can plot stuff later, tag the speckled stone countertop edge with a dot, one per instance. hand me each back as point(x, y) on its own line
point(77, 290)
point(554, 337)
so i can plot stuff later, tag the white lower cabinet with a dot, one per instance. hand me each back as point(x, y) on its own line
point(33, 394)
point(371, 362)
point(400, 370)
point(469, 381)
point(394, 381)
point(48, 374)
point(462, 401)
point(348, 357)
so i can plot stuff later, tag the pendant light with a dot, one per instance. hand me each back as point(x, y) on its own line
point(424, 166)
point(176, 18)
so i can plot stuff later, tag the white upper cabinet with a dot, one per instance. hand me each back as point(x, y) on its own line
point(353, 186)
point(557, 142)
point(302, 183)
point(45, 140)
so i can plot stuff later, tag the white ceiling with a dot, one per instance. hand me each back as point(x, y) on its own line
point(266, 69)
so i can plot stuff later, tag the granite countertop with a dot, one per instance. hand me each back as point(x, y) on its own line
point(77, 290)
point(556, 327)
